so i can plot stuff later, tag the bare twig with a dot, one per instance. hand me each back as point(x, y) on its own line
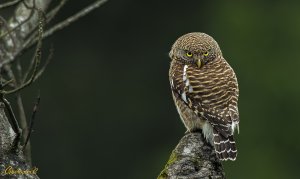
point(9, 3)
point(23, 124)
point(35, 107)
point(11, 76)
point(55, 10)
point(75, 17)
point(41, 71)
point(31, 41)
point(6, 83)
point(37, 62)
point(36, 59)
point(29, 69)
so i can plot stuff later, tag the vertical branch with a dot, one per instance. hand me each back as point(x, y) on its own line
point(35, 107)
point(13, 33)
point(24, 126)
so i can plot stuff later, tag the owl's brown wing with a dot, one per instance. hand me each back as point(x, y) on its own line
point(211, 92)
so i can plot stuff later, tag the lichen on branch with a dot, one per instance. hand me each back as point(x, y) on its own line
point(193, 157)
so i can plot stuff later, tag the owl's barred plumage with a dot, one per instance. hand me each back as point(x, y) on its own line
point(205, 91)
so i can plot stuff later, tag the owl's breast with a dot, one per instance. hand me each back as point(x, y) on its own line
point(213, 85)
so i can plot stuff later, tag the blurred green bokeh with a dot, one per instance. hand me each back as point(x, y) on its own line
point(107, 111)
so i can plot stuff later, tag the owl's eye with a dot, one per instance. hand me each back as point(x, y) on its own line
point(189, 54)
point(205, 54)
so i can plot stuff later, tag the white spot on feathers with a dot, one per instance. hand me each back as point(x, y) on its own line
point(208, 132)
point(184, 77)
point(187, 82)
point(235, 125)
point(183, 96)
point(190, 89)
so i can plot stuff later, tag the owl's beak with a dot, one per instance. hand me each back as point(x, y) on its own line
point(199, 63)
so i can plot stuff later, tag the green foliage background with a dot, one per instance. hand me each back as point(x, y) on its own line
point(107, 111)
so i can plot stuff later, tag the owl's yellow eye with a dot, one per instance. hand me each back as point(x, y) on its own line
point(189, 54)
point(205, 54)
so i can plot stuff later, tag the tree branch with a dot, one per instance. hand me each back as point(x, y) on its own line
point(17, 34)
point(32, 40)
point(9, 3)
point(194, 158)
point(24, 21)
point(9, 158)
point(75, 17)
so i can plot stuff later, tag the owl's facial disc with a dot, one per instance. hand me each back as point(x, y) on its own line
point(195, 48)
point(190, 57)
point(186, 56)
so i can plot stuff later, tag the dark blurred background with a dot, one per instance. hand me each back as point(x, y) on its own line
point(106, 108)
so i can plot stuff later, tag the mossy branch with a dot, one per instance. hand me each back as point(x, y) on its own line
point(195, 158)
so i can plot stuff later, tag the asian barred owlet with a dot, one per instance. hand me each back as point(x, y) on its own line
point(205, 91)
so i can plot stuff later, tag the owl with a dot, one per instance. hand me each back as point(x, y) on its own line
point(205, 91)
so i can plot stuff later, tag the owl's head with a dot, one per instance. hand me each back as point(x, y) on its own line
point(195, 48)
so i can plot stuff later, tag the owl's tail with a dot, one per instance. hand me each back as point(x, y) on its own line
point(224, 146)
